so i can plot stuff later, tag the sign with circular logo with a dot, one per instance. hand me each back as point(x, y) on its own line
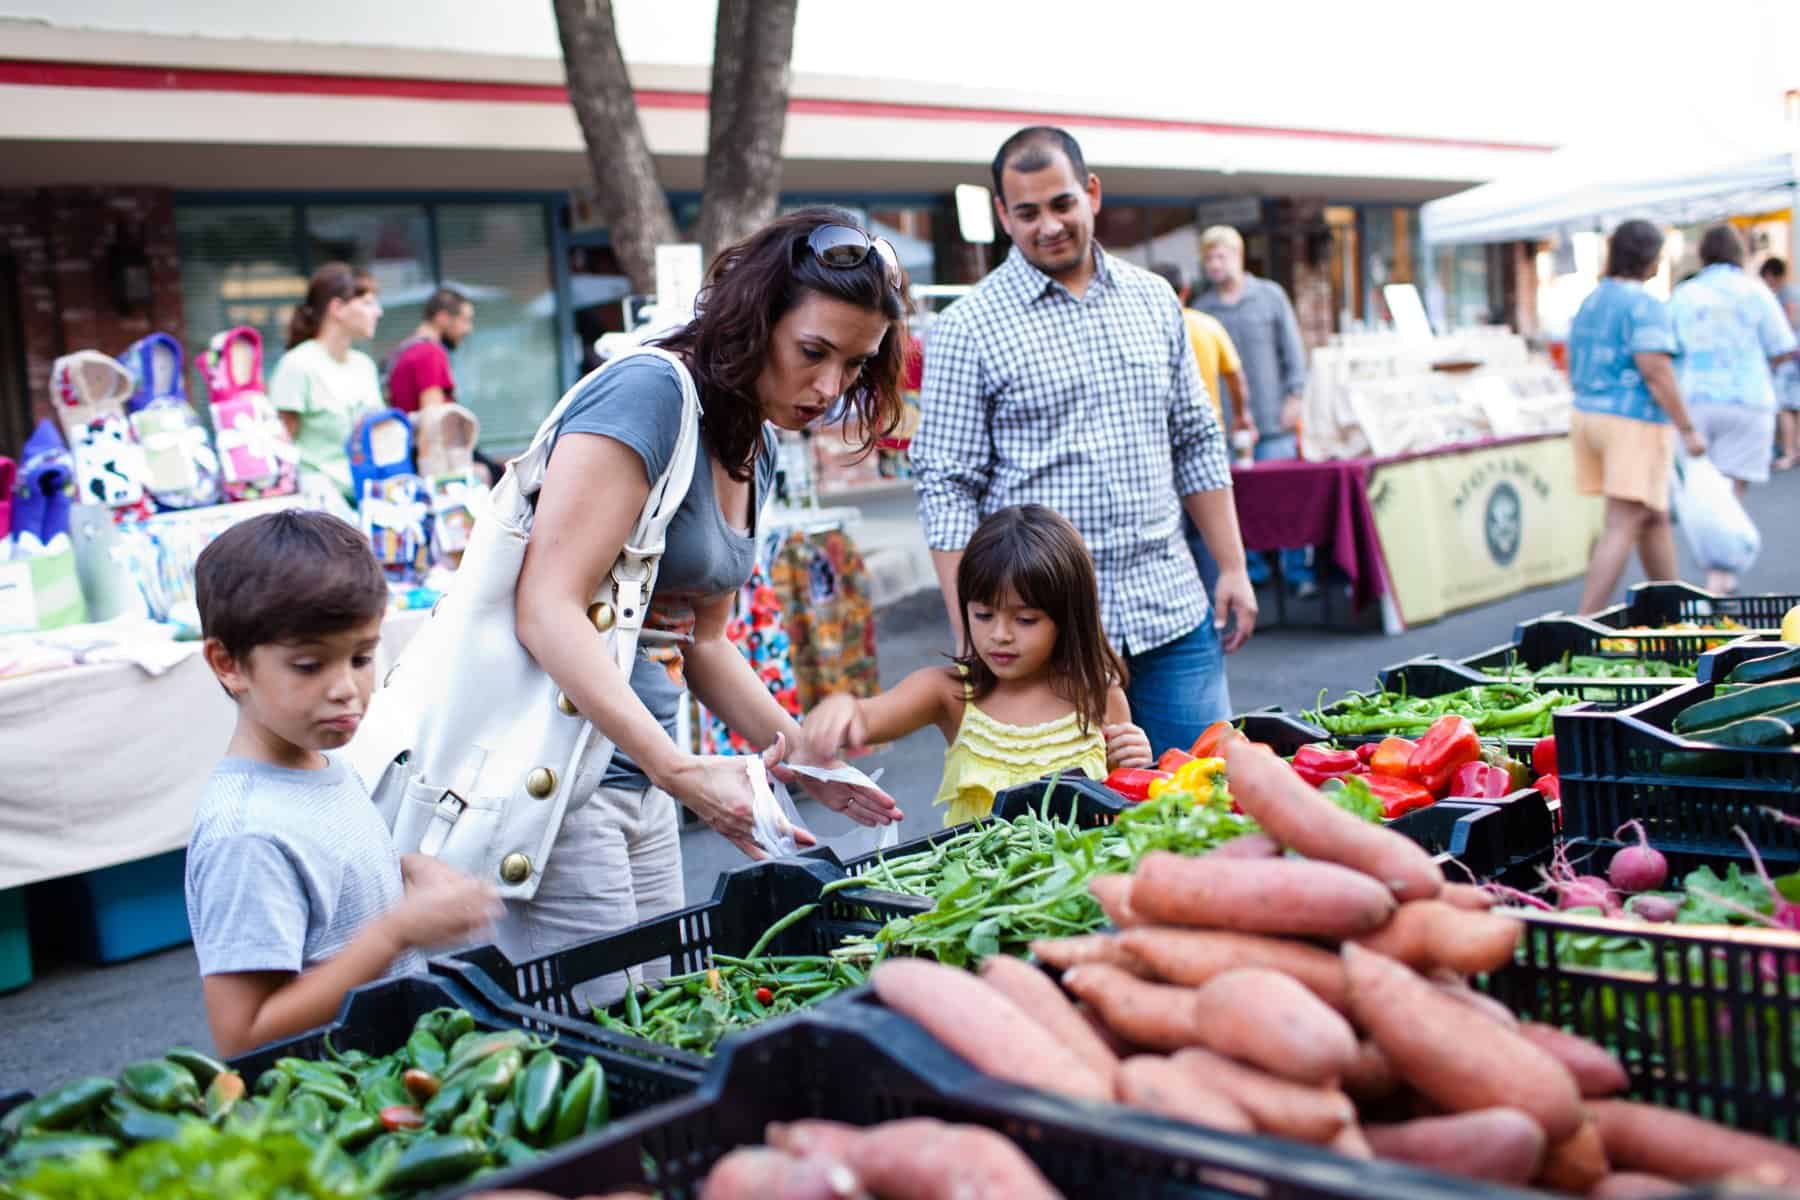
point(1501, 523)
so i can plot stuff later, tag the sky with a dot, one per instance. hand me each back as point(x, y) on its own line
point(1537, 71)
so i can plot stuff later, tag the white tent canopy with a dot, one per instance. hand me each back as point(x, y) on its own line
point(1681, 170)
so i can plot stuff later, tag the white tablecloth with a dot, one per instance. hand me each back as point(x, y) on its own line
point(103, 764)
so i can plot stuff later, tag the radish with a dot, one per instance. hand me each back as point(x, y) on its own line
point(1586, 891)
point(1637, 868)
point(1660, 909)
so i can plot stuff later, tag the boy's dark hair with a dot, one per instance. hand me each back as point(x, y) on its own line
point(1173, 275)
point(1032, 149)
point(1722, 245)
point(286, 576)
point(1633, 249)
point(1037, 555)
point(444, 300)
point(1774, 267)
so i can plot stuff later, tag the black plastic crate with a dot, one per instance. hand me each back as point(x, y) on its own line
point(1482, 839)
point(870, 1065)
point(1613, 771)
point(1715, 665)
point(1667, 603)
point(540, 993)
point(1614, 693)
point(1549, 638)
point(1677, 1021)
point(1426, 678)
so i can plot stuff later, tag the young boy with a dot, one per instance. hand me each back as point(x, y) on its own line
point(294, 890)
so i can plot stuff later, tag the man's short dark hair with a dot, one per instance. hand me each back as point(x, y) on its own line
point(286, 576)
point(1633, 249)
point(1722, 245)
point(1032, 149)
point(1176, 277)
point(445, 300)
point(1774, 267)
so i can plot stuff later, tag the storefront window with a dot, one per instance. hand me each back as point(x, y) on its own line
point(392, 243)
point(239, 266)
point(499, 256)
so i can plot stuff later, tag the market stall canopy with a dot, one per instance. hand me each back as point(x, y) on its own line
point(1682, 169)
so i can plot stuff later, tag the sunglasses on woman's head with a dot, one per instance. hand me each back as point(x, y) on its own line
point(843, 247)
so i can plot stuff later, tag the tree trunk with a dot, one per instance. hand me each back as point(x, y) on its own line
point(630, 198)
point(753, 41)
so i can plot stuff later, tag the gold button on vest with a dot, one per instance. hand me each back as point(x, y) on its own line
point(601, 614)
point(515, 868)
point(540, 782)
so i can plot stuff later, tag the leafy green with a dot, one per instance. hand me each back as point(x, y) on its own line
point(200, 1164)
point(1352, 794)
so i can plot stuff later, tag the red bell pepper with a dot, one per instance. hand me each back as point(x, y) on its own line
point(1211, 742)
point(1448, 744)
point(1133, 783)
point(1543, 756)
point(1392, 756)
point(1172, 758)
point(1550, 786)
point(1316, 763)
point(1398, 796)
point(1480, 781)
point(1365, 753)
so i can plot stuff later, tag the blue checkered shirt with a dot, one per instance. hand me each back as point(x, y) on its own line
point(1093, 407)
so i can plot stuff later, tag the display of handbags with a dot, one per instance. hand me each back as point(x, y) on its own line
point(88, 391)
point(445, 442)
point(182, 471)
point(256, 456)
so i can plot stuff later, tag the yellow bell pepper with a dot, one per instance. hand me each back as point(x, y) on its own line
point(1191, 778)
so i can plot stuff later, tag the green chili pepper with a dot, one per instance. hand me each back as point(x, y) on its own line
point(485, 1048)
point(457, 1046)
point(203, 1068)
point(599, 1110)
point(40, 1147)
point(354, 1127)
point(134, 1123)
point(535, 1091)
point(425, 1052)
point(493, 1076)
point(385, 1093)
point(633, 1011)
point(334, 1094)
point(457, 1022)
point(506, 1118)
point(161, 1085)
point(334, 1168)
point(473, 1120)
point(62, 1108)
point(515, 1153)
point(308, 1112)
point(432, 1160)
point(571, 1112)
point(446, 1104)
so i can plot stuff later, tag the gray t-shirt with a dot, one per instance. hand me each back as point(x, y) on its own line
point(1267, 336)
point(285, 867)
point(638, 402)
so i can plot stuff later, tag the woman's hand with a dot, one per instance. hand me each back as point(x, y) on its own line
point(834, 725)
point(864, 805)
point(717, 788)
point(1127, 745)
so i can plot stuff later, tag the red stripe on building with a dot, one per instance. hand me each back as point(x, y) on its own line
point(33, 73)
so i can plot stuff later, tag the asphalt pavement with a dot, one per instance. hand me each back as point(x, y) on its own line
point(75, 1020)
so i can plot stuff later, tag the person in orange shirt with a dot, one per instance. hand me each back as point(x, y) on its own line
point(1217, 357)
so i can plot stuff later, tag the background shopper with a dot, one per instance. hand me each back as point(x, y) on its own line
point(323, 384)
point(1787, 374)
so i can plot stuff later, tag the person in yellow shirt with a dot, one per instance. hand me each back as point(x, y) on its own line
point(1217, 357)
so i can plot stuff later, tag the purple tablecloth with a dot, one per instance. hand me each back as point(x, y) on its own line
point(1325, 504)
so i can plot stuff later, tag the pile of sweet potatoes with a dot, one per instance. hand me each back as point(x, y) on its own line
point(1323, 999)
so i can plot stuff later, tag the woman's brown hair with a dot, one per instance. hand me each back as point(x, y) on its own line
point(748, 288)
point(1034, 553)
point(333, 281)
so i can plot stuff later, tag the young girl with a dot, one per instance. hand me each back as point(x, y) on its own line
point(1038, 689)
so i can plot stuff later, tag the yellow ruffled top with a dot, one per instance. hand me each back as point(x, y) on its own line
point(989, 756)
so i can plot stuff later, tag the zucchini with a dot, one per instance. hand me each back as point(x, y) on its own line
point(1736, 705)
point(1751, 733)
point(1766, 669)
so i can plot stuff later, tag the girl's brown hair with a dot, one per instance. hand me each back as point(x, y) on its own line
point(333, 281)
point(748, 288)
point(1034, 553)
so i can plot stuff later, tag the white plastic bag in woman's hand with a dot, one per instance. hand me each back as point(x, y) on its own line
point(1713, 521)
point(774, 815)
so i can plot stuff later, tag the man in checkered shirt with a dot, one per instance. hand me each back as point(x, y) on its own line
point(1066, 379)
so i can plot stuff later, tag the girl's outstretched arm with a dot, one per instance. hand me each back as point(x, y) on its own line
point(1126, 744)
point(842, 724)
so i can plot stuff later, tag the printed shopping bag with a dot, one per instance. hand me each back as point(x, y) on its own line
point(181, 469)
point(89, 390)
point(395, 512)
point(380, 447)
point(256, 456)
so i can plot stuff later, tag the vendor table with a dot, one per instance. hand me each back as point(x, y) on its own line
point(103, 764)
point(1429, 534)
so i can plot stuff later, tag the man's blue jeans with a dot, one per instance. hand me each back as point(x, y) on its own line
point(1296, 566)
point(1179, 689)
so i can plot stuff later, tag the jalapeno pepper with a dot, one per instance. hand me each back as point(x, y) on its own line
point(1133, 783)
point(1448, 744)
point(388, 1093)
point(571, 1112)
point(309, 1113)
point(599, 1110)
point(446, 1104)
point(133, 1123)
point(513, 1152)
point(62, 1108)
point(203, 1068)
point(535, 1091)
point(1480, 781)
point(160, 1085)
point(41, 1147)
point(429, 1160)
point(354, 1127)
point(425, 1052)
point(1398, 796)
point(472, 1122)
point(493, 1076)
point(506, 1119)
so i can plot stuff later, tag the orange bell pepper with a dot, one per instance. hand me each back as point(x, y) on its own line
point(1172, 758)
point(1391, 757)
point(1211, 742)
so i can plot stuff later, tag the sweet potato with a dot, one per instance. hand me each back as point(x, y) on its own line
point(985, 1027)
point(1431, 933)
point(1294, 814)
point(1452, 1054)
point(1114, 894)
point(1597, 1073)
point(1155, 1016)
point(1370, 1077)
point(1063, 953)
point(1248, 845)
point(1576, 1164)
point(1266, 1018)
point(1351, 1143)
point(1046, 1004)
point(1467, 896)
point(1662, 1141)
point(1157, 1085)
point(918, 1158)
point(1194, 956)
point(1499, 1144)
point(1271, 895)
point(754, 1172)
point(1307, 1114)
point(1452, 985)
point(1635, 1185)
